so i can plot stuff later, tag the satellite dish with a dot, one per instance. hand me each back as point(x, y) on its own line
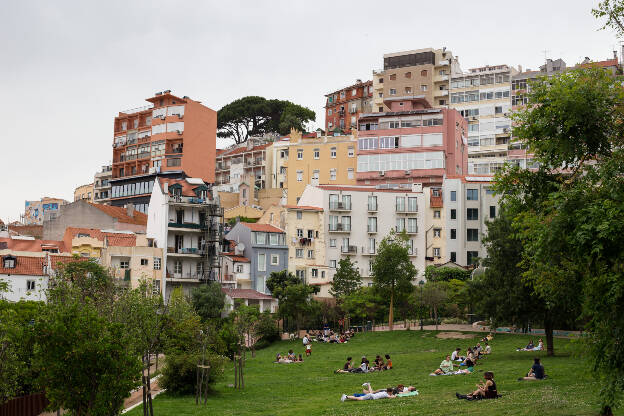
point(239, 249)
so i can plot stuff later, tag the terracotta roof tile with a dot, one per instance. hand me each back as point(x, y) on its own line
point(235, 258)
point(267, 228)
point(32, 245)
point(24, 265)
point(304, 207)
point(362, 189)
point(121, 214)
point(187, 188)
point(245, 294)
point(113, 239)
point(35, 231)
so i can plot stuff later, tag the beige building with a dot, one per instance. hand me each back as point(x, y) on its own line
point(276, 162)
point(84, 192)
point(102, 185)
point(435, 230)
point(306, 246)
point(274, 215)
point(424, 73)
point(320, 160)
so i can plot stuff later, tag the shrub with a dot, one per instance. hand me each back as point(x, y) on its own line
point(179, 374)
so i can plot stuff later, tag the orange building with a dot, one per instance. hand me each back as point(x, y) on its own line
point(343, 107)
point(171, 136)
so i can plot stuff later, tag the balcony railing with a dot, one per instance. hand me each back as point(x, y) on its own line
point(371, 230)
point(348, 249)
point(184, 225)
point(340, 228)
point(412, 230)
point(339, 206)
point(186, 250)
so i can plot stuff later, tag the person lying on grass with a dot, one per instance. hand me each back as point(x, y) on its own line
point(536, 372)
point(397, 391)
point(485, 390)
point(369, 394)
point(446, 367)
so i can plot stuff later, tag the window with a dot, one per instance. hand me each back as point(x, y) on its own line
point(332, 174)
point(310, 254)
point(492, 211)
point(30, 285)
point(436, 252)
point(392, 77)
point(314, 272)
point(408, 74)
point(177, 267)
point(333, 153)
point(343, 94)
point(423, 73)
point(472, 194)
point(124, 264)
point(346, 223)
point(412, 225)
point(317, 153)
point(144, 262)
point(315, 176)
point(174, 162)
point(371, 246)
point(436, 213)
point(261, 262)
point(423, 87)
point(392, 91)
point(299, 154)
point(453, 234)
point(472, 214)
point(156, 263)
point(453, 256)
point(351, 151)
point(354, 92)
point(372, 224)
point(332, 242)
point(274, 259)
point(472, 234)
point(453, 195)
point(310, 233)
point(453, 214)
point(400, 204)
point(274, 239)
point(471, 257)
point(239, 268)
point(329, 112)
point(299, 176)
point(332, 264)
point(299, 215)
point(437, 232)
point(412, 204)
point(350, 173)
point(498, 109)
point(260, 238)
point(400, 225)
point(299, 253)
point(9, 262)
point(300, 274)
point(299, 233)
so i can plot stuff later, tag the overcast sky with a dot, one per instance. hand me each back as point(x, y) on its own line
point(67, 68)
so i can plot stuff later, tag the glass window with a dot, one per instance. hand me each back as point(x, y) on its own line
point(453, 233)
point(400, 204)
point(332, 174)
point(299, 253)
point(372, 224)
point(472, 194)
point(260, 238)
point(332, 264)
point(317, 153)
point(412, 204)
point(471, 257)
point(274, 239)
point(261, 262)
point(472, 214)
point(333, 152)
point(492, 211)
point(332, 242)
point(453, 256)
point(412, 225)
point(453, 195)
point(400, 225)
point(299, 154)
point(299, 215)
point(472, 234)
point(274, 259)
point(372, 203)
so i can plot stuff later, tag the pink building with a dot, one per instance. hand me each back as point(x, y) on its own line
point(411, 143)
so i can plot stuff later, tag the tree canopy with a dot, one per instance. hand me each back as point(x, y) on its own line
point(252, 115)
point(208, 301)
point(346, 280)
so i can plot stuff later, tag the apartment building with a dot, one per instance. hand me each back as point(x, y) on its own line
point(36, 211)
point(306, 246)
point(434, 219)
point(343, 107)
point(469, 202)
point(243, 163)
point(320, 160)
point(236, 267)
point(171, 135)
point(84, 192)
point(265, 246)
point(483, 96)
point(346, 234)
point(276, 164)
point(410, 143)
point(102, 185)
point(186, 221)
point(422, 72)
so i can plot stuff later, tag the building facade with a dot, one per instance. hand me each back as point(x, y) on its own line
point(276, 164)
point(265, 246)
point(169, 135)
point(411, 143)
point(320, 160)
point(343, 107)
point(423, 72)
point(186, 221)
point(36, 211)
point(243, 163)
point(84, 192)
point(102, 185)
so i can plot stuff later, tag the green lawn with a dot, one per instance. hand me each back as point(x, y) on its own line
point(312, 388)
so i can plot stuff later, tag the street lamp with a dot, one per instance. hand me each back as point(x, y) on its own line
point(421, 283)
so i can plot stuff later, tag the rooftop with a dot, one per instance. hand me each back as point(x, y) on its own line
point(121, 214)
point(119, 239)
point(245, 294)
point(266, 228)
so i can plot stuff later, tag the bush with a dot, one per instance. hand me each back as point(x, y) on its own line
point(179, 374)
point(454, 321)
point(267, 329)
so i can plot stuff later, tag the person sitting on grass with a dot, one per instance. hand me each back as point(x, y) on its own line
point(485, 390)
point(540, 345)
point(370, 395)
point(529, 346)
point(446, 367)
point(379, 364)
point(470, 359)
point(291, 355)
point(487, 350)
point(281, 360)
point(363, 368)
point(456, 356)
point(347, 368)
point(388, 362)
point(536, 372)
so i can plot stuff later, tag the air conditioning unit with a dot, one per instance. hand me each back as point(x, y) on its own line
point(382, 173)
point(407, 172)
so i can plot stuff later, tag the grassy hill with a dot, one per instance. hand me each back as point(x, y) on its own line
point(312, 388)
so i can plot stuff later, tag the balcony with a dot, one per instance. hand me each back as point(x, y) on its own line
point(185, 252)
point(409, 230)
point(404, 210)
point(370, 251)
point(305, 241)
point(191, 277)
point(371, 230)
point(444, 62)
point(442, 78)
point(339, 206)
point(440, 93)
point(185, 226)
point(348, 249)
point(372, 207)
point(436, 200)
point(340, 228)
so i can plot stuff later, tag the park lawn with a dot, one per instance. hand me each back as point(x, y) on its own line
point(312, 388)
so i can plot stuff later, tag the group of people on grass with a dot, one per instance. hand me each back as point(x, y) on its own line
point(290, 358)
point(455, 359)
point(365, 367)
point(329, 336)
point(532, 347)
point(388, 393)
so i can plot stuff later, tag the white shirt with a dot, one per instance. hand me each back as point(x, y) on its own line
point(380, 395)
point(454, 356)
point(305, 340)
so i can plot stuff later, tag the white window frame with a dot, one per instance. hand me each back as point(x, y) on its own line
point(274, 259)
point(262, 263)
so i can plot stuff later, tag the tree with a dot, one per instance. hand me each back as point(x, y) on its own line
point(444, 274)
point(208, 301)
point(613, 11)
point(278, 281)
point(365, 303)
point(10, 364)
point(433, 296)
point(251, 116)
point(392, 269)
point(295, 301)
point(86, 357)
point(346, 280)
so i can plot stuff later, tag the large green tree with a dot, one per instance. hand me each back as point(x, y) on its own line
point(278, 281)
point(570, 213)
point(346, 280)
point(252, 115)
point(208, 301)
point(392, 270)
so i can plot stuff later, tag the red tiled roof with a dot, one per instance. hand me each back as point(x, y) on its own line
point(243, 149)
point(304, 207)
point(56, 260)
point(365, 189)
point(24, 265)
point(35, 231)
point(121, 214)
point(601, 64)
point(113, 239)
point(32, 245)
point(245, 294)
point(267, 228)
point(235, 258)
point(187, 188)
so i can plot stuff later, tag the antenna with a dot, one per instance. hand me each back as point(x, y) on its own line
point(546, 55)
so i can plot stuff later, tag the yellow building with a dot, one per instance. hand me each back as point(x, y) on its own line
point(320, 161)
point(435, 229)
point(276, 161)
point(306, 246)
point(274, 215)
point(84, 192)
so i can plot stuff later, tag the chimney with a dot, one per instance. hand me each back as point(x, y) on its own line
point(519, 68)
point(130, 210)
point(614, 54)
point(358, 81)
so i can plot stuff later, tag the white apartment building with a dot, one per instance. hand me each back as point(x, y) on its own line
point(357, 218)
point(187, 223)
point(469, 203)
point(483, 97)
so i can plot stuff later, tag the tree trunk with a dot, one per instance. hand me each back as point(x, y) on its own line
point(548, 329)
point(391, 314)
point(435, 315)
point(606, 411)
